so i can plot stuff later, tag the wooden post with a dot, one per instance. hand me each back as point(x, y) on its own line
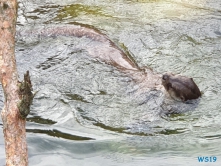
point(13, 120)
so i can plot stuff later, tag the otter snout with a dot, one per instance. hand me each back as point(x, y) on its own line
point(165, 77)
point(166, 82)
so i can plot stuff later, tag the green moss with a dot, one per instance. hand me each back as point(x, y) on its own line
point(75, 10)
point(26, 96)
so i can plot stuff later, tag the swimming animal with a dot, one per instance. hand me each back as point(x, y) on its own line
point(168, 93)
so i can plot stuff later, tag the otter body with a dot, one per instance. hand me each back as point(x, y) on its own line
point(179, 87)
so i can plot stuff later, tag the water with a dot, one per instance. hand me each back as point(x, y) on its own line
point(85, 111)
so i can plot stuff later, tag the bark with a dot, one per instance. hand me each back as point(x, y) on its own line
point(13, 122)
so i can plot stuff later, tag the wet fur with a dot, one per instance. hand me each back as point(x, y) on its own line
point(180, 87)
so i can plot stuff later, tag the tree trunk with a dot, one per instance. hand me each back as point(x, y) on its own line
point(13, 123)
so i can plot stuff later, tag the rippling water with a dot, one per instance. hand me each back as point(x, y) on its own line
point(86, 112)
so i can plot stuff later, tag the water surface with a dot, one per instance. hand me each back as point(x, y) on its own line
point(85, 111)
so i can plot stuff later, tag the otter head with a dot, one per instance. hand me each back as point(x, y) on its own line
point(180, 87)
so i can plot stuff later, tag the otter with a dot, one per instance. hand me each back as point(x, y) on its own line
point(151, 84)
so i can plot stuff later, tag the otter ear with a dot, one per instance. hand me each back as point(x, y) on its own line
point(182, 98)
point(169, 85)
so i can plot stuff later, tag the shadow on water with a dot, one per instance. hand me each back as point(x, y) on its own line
point(40, 120)
point(59, 134)
point(123, 130)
